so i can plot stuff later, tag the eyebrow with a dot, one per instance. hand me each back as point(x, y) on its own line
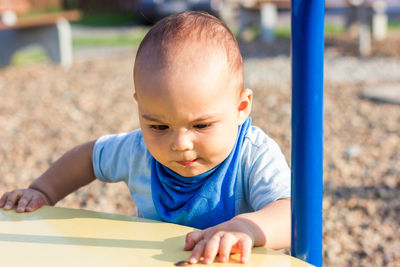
point(152, 118)
point(202, 117)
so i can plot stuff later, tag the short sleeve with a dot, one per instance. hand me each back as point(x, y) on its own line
point(112, 156)
point(266, 169)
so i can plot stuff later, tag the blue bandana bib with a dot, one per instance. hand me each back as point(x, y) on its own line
point(200, 201)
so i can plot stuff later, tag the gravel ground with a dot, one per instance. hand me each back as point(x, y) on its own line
point(47, 110)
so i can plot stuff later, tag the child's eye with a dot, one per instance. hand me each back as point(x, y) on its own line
point(159, 127)
point(202, 125)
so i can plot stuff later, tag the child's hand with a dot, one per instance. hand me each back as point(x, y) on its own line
point(25, 200)
point(234, 236)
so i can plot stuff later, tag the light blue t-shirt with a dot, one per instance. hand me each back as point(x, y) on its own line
point(263, 174)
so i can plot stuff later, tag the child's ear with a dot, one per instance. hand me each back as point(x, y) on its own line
point(244, 107)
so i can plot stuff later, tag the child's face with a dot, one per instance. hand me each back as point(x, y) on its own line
point(189, 114)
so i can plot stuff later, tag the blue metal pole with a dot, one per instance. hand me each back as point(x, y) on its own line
point(307, 128)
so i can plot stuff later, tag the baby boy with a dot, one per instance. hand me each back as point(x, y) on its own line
point(196, 160)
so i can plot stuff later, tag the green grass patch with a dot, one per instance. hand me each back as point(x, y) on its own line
point(29, 56)
point(394, 25)
point(283, 33)
point(134, 38)
point(35, 55)
point(102, 18)
point(115, 41)
point(330, 30)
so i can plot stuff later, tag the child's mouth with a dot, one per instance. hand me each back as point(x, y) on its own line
point(187, 162)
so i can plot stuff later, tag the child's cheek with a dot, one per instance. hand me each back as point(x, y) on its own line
point(154, 142)
point(218, 145)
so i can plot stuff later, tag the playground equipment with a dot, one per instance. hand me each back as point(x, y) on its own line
point(68, 237)
point(307, 128)
point(52, 32)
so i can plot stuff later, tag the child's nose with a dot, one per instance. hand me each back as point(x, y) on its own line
point(182, 141)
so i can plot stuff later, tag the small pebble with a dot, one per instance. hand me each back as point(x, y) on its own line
point(182, 263)
point(352, 152)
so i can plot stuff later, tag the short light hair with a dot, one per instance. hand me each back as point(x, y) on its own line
point(173, 31)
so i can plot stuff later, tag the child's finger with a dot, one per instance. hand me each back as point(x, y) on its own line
point(225, 247)
point(36, 202)
point(23, 201)
point(3, 199)
point(12, 198)
point(245, 245)
point(192, 239)
point(211, 248)
point(197, 252)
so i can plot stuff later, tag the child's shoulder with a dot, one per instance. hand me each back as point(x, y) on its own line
point(122, 136)
point(255, 136)
point(258, 144)
point(127, 140)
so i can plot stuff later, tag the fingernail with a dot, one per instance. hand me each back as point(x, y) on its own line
point(223, 259)
point(244, 259)
point(192, 260)
point(7, 206)
point(207, 260)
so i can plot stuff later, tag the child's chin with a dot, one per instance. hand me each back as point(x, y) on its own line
point(189, 171)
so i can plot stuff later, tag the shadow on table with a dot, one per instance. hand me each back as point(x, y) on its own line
point(52, 213)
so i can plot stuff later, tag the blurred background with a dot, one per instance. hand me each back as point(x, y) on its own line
point(52, 100)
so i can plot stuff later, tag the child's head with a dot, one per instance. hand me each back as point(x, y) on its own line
point(188, 78)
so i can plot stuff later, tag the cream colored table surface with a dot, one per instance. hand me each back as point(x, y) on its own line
point(67, 237)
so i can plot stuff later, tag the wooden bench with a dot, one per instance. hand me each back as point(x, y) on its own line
point(51, 31)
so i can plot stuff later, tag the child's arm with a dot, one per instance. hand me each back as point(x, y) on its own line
point(269, 227)
point(73, 170)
